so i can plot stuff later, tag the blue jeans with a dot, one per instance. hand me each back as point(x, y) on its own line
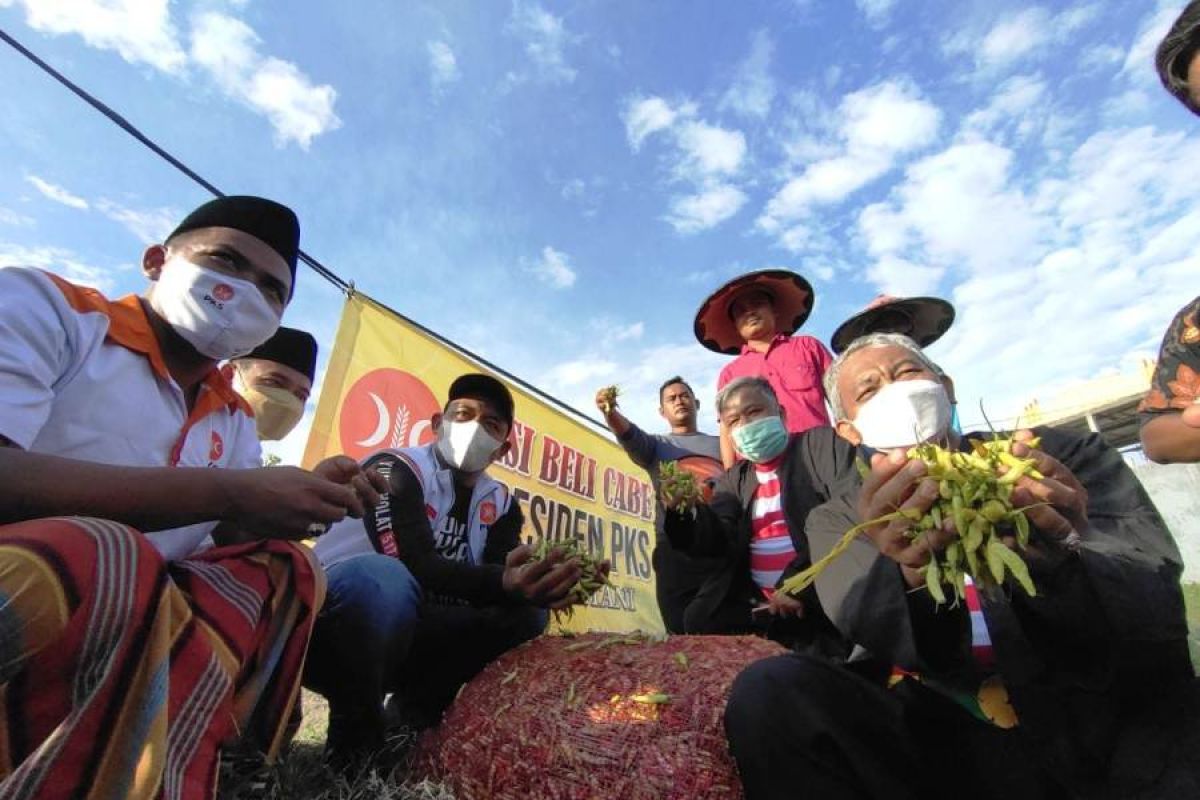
point(374, 635)
point(361, 636)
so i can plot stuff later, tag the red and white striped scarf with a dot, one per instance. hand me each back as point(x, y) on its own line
point(771, 547)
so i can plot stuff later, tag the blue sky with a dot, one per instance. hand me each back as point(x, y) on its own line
point(558, 186)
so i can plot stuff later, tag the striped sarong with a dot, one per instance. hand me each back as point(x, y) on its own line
point(121, 675)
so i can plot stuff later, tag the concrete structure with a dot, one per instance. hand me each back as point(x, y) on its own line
point(1105, 405)
point(1108, 406)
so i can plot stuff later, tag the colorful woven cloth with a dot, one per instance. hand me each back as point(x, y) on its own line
point(121, 674)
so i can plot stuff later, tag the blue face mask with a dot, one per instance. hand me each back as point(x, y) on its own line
point(761, 440)
point(954, 423)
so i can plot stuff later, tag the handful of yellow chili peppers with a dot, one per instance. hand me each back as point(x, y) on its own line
point(975, 499)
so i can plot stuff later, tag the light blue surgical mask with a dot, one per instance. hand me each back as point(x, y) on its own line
point(955, 426)
point(761, 440)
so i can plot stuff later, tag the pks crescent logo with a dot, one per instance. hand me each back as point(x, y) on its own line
point(216, 447)
point(386, 408)
point(222, 292)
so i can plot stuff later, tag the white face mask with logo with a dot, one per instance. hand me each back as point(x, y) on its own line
point(222, 317)
point(466, 446)
point(904, 413)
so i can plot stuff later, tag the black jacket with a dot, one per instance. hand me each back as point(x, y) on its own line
point(1092, 664)
point(403, 516)
point(816, 466)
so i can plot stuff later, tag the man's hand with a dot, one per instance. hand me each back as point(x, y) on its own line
point(282, 502)
point(894, 483)
point(605, 402)
point(783, 605)
point(1058, 501)
point(366, 485)
point(673, 500)
point(1191, 415)
point(546, 583)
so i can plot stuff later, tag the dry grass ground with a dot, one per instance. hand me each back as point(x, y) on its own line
point(301, 775)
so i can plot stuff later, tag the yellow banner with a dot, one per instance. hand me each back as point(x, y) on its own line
point(386, 379)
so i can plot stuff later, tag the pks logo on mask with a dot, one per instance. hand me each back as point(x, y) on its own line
point(223, 292)
point(386, 408)
point(216, 447)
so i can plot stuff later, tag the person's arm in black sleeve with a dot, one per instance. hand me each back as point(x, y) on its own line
point(826, 463)
point(1122, 583)
point(829, 462)
point(504, 535)
point(479, 584)
point(712, 530)
point(865, 595)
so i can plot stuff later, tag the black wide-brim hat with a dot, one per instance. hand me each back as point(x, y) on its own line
point(922, 319)
point(791, 298)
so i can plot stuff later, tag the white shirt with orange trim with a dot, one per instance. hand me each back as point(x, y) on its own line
point(82, 377)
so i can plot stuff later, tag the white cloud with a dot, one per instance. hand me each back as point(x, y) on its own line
point(141, 31)
point(148, 226)
point(703, 155)
point(639, 371)
point(1021, 105)
point(753, 88)
point(573, 373)
point(1058, 270)
point(1100, 56)
point(1015, 36)
point(15, 218)
point(1027, 33)
point(706, 209)
point(228, 49)
point(443, 66)
point(553, 268)
point(545, 39)
point(60, 261)
point(876, 11)
point(1139, 60)
point(899, 278)
point(612, 331)
point(960, 204)
point(573, 189)
point(875, 126)
point(644, 116)
point(57, 193)
point(709, 150)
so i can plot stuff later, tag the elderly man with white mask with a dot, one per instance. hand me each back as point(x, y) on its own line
point(1072, 693)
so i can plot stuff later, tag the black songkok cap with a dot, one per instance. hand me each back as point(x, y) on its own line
point(486, 388)
point(290, 347)
point(275, 224)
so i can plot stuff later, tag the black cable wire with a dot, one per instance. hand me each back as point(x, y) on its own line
point(128, 127)
point(316, 265)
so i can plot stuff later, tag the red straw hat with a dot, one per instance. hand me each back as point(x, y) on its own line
point(791, 297)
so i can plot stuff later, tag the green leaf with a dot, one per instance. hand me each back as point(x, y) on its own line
point(1017, 566)
point(933, 581)
point(995, 559)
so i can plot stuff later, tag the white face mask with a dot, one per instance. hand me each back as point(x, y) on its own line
point(222, 317)
point(276, 410)
point(466, 445)
point(904, 413)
